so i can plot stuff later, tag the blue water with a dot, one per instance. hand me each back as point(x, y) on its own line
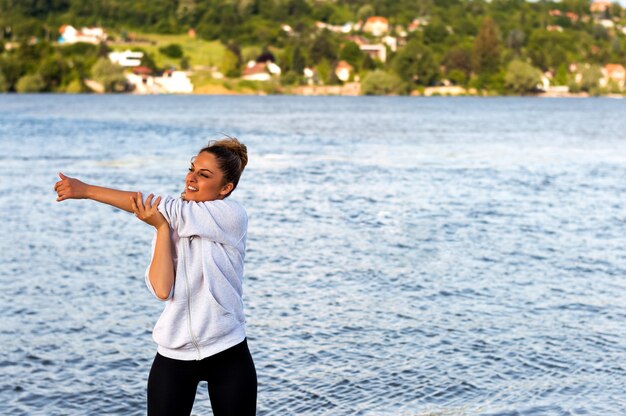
point(406, 256)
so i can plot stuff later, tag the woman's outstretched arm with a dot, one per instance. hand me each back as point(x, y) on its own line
point(72, 188)
point(161, 272)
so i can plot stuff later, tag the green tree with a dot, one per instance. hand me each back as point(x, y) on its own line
point(12, 69)
point(435, 32)
point(53, 69)
point(76, 86)
point(365, 11)
point(486, 54)
point(324, 70)
point(324, 47)
point(30, 83)
point(352, 54)
point(561, 75)
point(415, 62)
point(4, 87)
point(457, 77)
point(297, 61)
point(549, 50)
point(590, 78)
point(173, 50)
point(230, 64)
point(515, 40)
point(184, 63)
point(521, 77)
point(459, 58)
point(382, 83)
point(110, 75)
point(368, 64)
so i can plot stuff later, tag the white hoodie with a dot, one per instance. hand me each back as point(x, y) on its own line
point(203, 314)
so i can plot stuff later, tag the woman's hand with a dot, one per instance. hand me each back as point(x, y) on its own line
point(70, 188)
point(148, 213)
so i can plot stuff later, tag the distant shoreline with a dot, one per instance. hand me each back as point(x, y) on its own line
point(308, 93)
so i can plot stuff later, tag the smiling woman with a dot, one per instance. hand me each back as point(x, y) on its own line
point(215, 171)
point(201, 332)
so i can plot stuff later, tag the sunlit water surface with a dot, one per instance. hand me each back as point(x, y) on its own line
point(406, 256)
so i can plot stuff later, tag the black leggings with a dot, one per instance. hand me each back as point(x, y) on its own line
point(231, 376)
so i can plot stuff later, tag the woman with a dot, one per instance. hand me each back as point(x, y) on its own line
point(197, 269)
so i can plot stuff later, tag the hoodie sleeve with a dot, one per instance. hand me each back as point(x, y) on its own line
point(222, 221)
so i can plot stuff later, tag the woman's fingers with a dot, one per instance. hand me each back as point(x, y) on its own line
point(133, 204)
point(139, 202)
point(146, 212)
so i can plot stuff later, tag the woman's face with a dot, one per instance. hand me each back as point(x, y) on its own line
point(204, 180)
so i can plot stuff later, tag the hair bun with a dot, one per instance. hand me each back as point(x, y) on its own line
point(235, 146)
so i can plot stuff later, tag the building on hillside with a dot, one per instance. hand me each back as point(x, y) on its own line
point(343, 70)
point(127, 58)
point(376, 25)
point(417, 24)
point(345, 28)
point(69, 34)
point(377, 51)
point(600, 6)
point(392, 42)
point(260, 71)
point(615, 73)
point(174, 82)
point(359, 40)
point(256, 72)
point(607, 23)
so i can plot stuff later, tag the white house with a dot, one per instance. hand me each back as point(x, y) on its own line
point(127, 58)
point(174, 82)
point(607, 23)
point(375, 51)
point(343, 70)
point(256, 71)
point(260, 71)
point(69, 34)
point(391, 42)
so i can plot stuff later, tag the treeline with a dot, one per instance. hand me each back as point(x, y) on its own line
point(501, 45)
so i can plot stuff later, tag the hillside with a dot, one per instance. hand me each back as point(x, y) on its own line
point(389, 47)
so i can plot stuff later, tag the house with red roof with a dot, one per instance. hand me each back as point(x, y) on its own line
point(343, 70)
point(376, 25)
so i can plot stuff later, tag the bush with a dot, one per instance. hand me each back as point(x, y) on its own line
point(184, 63)
point(590, 79)
point(381, 83)
point(75, 87)
point(521, 77)
point(110, 75)
point(173, 50)
point(457, 77)
point(30, 83)
point(3, 83)
point(290, 78)
point(230, 64)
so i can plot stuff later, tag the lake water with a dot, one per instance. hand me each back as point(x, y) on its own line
point(406, 256)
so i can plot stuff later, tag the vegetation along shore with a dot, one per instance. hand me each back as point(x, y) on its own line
point(314, 47)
